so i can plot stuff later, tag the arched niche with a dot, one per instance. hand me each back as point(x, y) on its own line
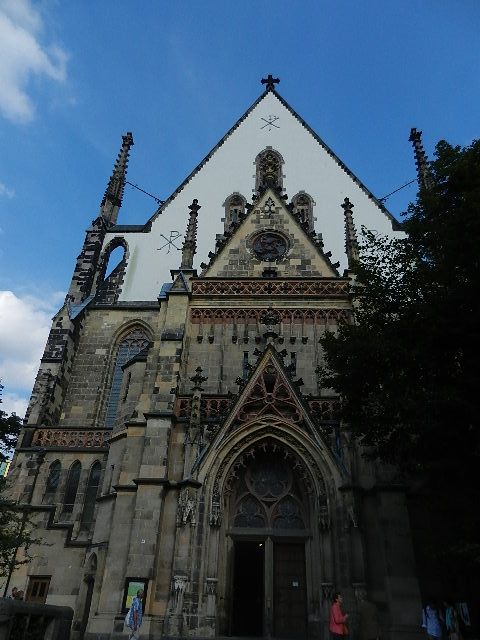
point(268, 172)
point(303, 209)
point(267, 492)
point(113, 264)
point(234, 207)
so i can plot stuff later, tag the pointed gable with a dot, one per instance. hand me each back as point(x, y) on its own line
point(270, 238)
point(308, 165)
point(268, 393)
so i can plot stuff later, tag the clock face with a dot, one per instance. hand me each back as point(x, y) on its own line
point(270, 246)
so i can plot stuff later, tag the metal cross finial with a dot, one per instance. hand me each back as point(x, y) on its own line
point(270, 81)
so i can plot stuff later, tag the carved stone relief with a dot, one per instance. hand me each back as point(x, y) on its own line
point(187, 504)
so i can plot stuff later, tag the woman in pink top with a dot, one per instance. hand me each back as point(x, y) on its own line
point(338, 619)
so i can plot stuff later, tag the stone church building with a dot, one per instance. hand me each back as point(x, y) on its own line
point(178, 438)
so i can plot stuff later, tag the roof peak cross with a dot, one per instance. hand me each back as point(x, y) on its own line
point(270, 82)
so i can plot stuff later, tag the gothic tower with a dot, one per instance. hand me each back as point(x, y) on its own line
point(179, 439)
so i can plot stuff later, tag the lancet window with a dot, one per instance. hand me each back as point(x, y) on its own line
point(134, 342)
point(234, 209)
point(71, 487)
point(269, 170)
point(53, 478)
point(91, 496)
point(303, 209)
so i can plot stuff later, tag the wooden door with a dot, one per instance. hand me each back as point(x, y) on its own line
point(289, 588)
point(248, 589)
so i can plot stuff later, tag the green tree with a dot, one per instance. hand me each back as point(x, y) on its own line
point(16, 528)
point(407, 368)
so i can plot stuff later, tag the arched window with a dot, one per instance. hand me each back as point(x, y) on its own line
point(53, 478)
point(112, 271)
point(71, 487)
point(130, 346)
point(267, 492)
point(303, 209)
point(234, 209)
point(90, 496)
point(115, 257)
point(269, 170)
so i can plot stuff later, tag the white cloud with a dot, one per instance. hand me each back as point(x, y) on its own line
point(14, 403)
point(22, 55)
point(24, 325)
point(5, 191)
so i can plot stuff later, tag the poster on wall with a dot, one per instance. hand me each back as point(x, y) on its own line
point(132, 586)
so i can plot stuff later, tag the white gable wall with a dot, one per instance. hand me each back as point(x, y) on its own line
point(231, 168)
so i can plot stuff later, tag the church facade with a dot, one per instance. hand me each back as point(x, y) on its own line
point(178, 437)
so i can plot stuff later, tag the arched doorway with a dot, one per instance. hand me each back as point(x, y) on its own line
point(268, 528)
point(89, 584)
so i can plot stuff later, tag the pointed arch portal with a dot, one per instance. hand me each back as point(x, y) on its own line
point(269, 501)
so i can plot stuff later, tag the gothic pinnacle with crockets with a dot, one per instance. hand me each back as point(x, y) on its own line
point(112, 199)
point(351, 242)
point(190, 243)
point(424, 175)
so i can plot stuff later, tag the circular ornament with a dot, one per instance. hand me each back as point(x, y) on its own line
point(270, 246)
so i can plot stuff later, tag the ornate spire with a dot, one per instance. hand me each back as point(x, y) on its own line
point(270, 82)
point(351, 242)
point(112, 199)
point(190, 243)
point(425, 178)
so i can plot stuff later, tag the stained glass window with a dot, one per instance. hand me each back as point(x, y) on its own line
point(267, 494)
point(132, 344)
point(90, 496)
point(72, 487)
point(53, 478)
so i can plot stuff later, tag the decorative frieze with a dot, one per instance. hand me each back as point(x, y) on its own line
point(274, 287)
point(212, 407)
point(215, 408)
point(325, 408)
point(69, 438)
point(288, 316)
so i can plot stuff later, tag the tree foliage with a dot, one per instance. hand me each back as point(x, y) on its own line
point(16, 528)
point(407, 367)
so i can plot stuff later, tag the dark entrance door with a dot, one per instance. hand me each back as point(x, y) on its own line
point(88, 603)
point(289, 590)
point(248, 581)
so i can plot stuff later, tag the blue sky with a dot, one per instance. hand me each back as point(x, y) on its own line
point(76, 75)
